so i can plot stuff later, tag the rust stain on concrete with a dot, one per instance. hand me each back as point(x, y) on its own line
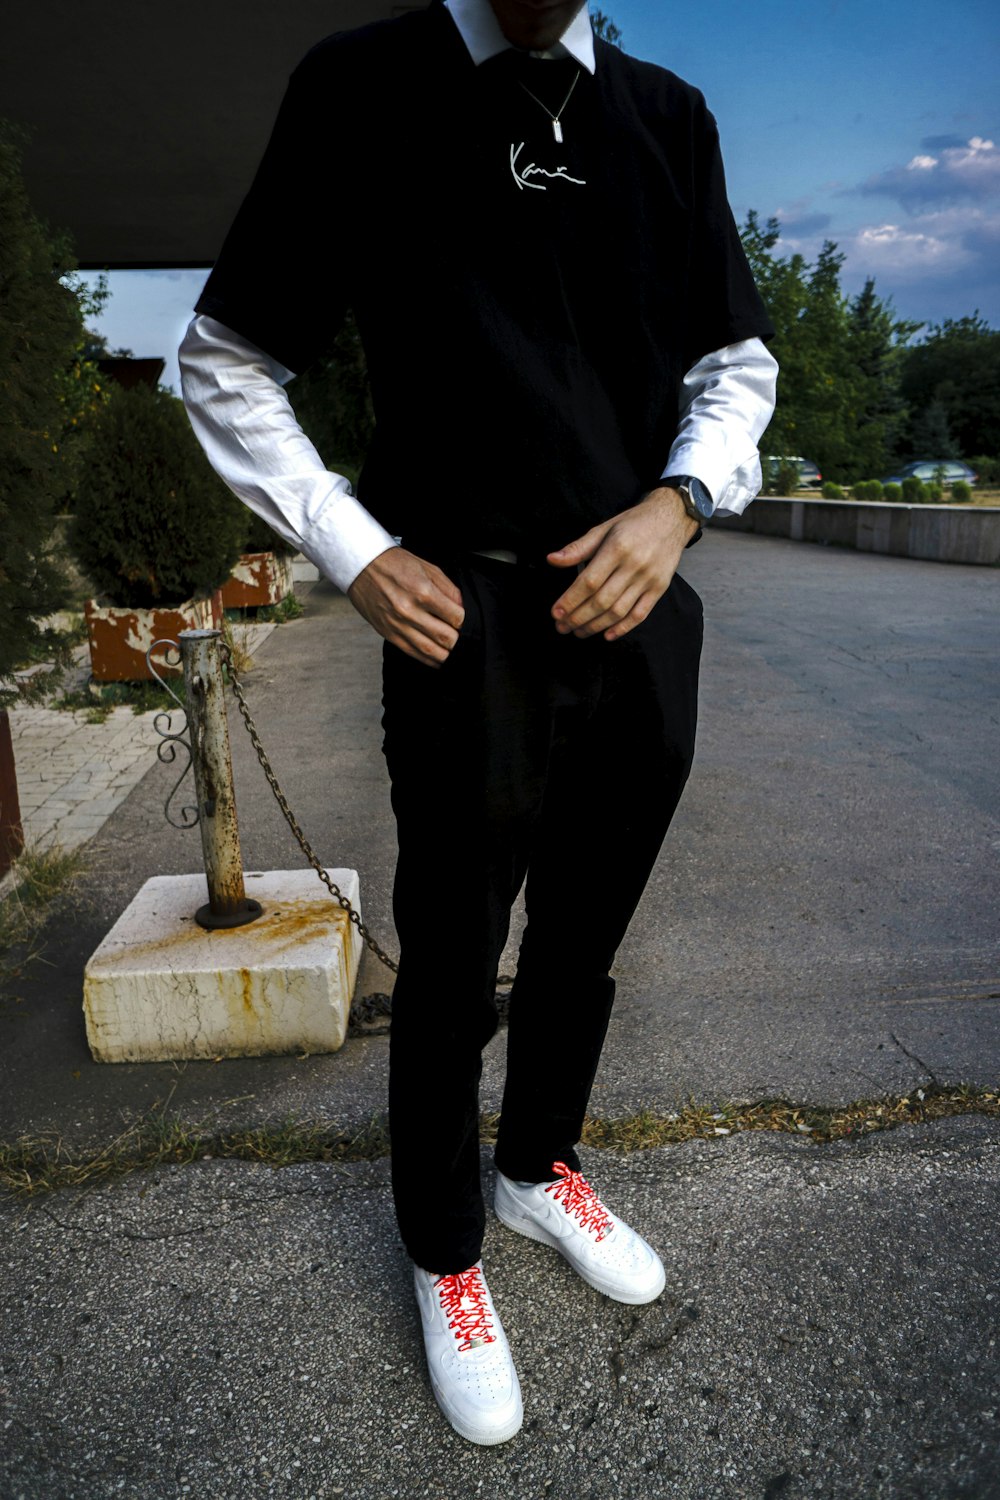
point(246, 989)
point(283, 927)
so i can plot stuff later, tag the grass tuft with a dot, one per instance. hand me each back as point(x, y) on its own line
point(142, 697)
point(288, 608)
point(43, 1164)
point(40, 875)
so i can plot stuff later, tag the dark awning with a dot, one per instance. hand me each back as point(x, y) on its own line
point(147, 121)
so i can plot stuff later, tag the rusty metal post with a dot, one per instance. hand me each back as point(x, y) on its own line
point(11, 831)
point(228, 904)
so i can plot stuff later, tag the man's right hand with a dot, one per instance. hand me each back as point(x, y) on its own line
point(411, 603)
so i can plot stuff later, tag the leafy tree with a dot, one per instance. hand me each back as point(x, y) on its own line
point(40, 330)
point(956, 371)
point(930, 432)
point(83, 390)
point(605, 28)
point(154, 523)
point(875, 351)
point(838, 389)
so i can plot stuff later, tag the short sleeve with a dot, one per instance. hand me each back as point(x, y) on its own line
point(725, 306)
point(282, 279)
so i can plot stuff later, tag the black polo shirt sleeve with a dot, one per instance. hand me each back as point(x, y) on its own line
point(724, 306)
point(282, 276)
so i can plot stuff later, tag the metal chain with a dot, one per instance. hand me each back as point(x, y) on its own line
point(291, 820)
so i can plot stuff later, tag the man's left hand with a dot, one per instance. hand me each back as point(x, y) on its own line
point(629, 562)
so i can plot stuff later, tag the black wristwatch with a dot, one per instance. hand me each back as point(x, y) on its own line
point(697, 501)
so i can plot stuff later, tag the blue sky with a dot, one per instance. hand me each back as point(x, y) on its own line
point(874, 124)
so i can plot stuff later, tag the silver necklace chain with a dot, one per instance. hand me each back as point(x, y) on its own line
point(557, 130)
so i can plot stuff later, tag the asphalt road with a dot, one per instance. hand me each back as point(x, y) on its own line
point(822, 923)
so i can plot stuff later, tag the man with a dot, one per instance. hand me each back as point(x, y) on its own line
point(564, 345)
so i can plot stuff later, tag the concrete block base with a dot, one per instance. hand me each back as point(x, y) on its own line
point(160, 987)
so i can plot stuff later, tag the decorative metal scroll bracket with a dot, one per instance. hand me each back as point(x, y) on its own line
point(205, 737)
point(171, 741)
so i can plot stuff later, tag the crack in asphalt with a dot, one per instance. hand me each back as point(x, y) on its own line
point(914, 1058)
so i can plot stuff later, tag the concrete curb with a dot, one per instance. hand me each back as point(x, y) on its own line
point(934, 533)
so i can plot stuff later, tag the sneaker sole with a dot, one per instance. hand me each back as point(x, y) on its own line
point(531, 1231)
point(477, 1435)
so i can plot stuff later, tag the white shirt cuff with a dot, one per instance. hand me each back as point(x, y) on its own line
point(727, 402)
point(245, 423)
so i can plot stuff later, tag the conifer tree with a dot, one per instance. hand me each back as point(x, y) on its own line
point(41, 326)
point(154, 524)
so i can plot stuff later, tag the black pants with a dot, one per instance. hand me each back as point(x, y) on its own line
point(526, 754)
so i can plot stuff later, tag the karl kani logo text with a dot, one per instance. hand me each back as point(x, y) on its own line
point(522, 174)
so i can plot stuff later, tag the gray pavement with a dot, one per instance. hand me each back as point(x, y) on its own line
point(822, 925)
point(829, 1329)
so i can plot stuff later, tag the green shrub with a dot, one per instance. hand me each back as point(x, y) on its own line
point(935, 491)
point(961, 491)
point(892, 492)
point(860, 489)
point(832, 491)
point(914, 490)
point(987, 470)
point(154, 525)
point(785, 478)
point(874, 489)
point(40, 326)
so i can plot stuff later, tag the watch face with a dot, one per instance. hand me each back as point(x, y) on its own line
point(697, 501)
point(701, 498)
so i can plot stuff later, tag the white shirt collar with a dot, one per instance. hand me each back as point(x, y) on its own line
point(480, 31)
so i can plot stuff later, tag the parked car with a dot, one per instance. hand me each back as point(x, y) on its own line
point(947, 470)
point(809, 475)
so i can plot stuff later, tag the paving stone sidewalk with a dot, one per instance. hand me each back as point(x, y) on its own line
point(73, 772)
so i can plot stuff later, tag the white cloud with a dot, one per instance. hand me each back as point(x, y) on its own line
point(890, 248)
point(948, 242)
point(959, 172)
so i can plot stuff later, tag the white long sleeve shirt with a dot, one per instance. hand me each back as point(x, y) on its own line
point(235, 398)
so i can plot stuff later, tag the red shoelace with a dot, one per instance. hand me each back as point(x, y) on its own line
point(577, 1197)
point(471, 1324)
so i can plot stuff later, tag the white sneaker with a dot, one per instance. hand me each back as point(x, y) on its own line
point(568, 1215)
point(468, 1357)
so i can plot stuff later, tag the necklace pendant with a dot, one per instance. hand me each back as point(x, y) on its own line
point(557, 131)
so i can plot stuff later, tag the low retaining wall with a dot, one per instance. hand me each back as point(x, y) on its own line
point(940, 533)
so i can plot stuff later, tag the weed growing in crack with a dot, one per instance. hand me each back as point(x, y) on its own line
point(40, 875)
point(31, 1166)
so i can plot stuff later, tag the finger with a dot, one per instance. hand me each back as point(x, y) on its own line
point(622, 596)
point(418, 625)
point(448, 597)
point(422, 647)
point(640, 611)
point(575, 606)
point(577, 552)
point(604, 600)
point(437, 597)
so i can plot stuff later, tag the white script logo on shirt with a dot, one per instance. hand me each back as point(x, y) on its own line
point(521, 174)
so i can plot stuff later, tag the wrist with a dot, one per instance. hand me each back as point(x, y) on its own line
point(670, 501)
point(694, 495)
